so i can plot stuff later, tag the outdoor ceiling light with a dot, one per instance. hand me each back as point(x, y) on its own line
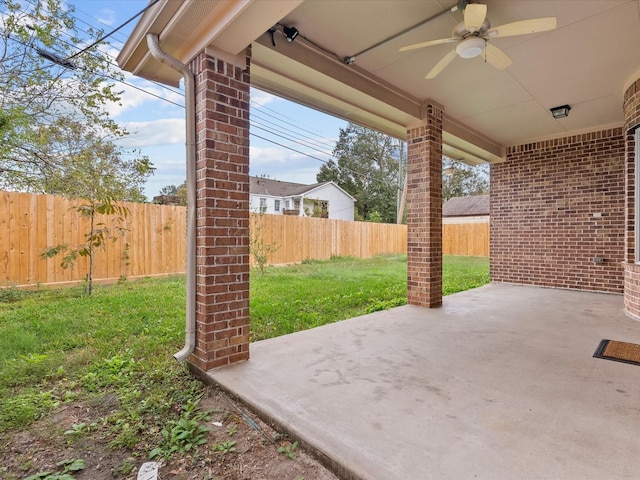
point(470, 47)
point(560, 112)
point(290, 32)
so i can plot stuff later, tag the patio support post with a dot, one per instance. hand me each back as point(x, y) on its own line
point(222, 211)
point(424, 209)
point(631, 108)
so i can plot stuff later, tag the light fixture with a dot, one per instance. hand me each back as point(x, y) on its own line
point(560, 112)
point(290, 32)
point(470, 47)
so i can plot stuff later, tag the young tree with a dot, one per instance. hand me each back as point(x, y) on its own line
point(35, 91)
point(367, 169)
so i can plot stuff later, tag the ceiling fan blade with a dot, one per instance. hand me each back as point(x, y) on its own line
point(430, 43)
point(474, 15)
point(446, 60)
point(523, 27)
point(496, 57)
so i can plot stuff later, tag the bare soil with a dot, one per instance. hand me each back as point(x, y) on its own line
point(40, 447)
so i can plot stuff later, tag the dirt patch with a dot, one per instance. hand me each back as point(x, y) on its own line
point(239, 446)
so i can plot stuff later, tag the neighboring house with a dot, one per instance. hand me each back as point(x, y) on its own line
point(325, 200)
point(470, 209)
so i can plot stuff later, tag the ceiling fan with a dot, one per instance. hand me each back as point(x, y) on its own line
point(474, 34)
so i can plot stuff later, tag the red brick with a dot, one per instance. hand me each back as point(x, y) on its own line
point(222, 168)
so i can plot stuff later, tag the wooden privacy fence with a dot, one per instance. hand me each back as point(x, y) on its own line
point(302, 238)
point(154, 243)
point(155, 240)
point(466, 239)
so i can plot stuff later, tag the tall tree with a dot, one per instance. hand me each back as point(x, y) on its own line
point(464, 180)
point(90, 167)
point(35, 92)
point(367, 169)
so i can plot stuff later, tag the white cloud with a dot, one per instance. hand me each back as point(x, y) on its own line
point(260, 98)
point(261, 156)
point(137, 92)
point(106, 16)
point(165, 131)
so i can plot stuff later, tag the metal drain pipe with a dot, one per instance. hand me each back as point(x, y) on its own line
point(190, 142)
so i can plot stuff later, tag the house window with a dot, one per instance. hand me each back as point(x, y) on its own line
point(287, 204)
point(276, 205)
point(637, 190)
point(263, 205)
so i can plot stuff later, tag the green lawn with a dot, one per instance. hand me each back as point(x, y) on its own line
point(59, 346)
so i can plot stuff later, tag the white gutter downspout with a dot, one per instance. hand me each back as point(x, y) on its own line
point(190, 142)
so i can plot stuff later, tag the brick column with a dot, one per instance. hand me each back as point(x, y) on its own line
point(222, 206)
point(631, 108)
point(424, 210)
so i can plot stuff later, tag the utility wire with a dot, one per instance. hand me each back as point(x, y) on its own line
point(151, 4)
point(307, 141)
point(108, 56)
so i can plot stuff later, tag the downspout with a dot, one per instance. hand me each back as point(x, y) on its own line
point(190, 142)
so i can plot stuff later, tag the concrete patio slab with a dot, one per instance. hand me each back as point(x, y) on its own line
point(499, 383)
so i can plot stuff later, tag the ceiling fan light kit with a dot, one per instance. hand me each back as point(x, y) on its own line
point(470, 47)
point(475, 35)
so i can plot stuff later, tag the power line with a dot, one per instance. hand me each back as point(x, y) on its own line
point(111, 60)
point(104, 37)
point(261, 127)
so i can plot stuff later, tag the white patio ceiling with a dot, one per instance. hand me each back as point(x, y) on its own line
point(586, 62)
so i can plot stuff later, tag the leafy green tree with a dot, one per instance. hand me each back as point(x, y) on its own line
point(367, 169)
point(90, 167)
point(465, 180)
point(179, 191)
point(168, 190)
point(36, 92)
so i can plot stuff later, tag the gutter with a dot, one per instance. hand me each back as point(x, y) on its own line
point(190, 143)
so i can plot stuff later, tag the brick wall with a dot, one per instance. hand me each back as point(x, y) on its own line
point(557, 205)
point(424, 211)
point(631, 108)
point(222, 206)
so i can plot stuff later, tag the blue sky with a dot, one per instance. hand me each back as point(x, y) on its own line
point(157, 125)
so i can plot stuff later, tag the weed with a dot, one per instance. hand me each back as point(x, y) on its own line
point(11, 294)
point(184, 434)
point(232, 430)
point(289, 450)
point(63, 471)
point(126, 468)
point(79, 429)
point(225, 447)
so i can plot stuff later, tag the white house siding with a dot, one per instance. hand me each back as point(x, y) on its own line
point(340, 204)
point(254, 204)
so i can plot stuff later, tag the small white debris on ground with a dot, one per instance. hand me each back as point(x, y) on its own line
point(148, 471)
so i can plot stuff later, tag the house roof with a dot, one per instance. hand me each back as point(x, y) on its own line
point(466, 206)
point(346, 62)
point(277, 188)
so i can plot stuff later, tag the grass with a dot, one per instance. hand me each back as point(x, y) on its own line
point(59, 346)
